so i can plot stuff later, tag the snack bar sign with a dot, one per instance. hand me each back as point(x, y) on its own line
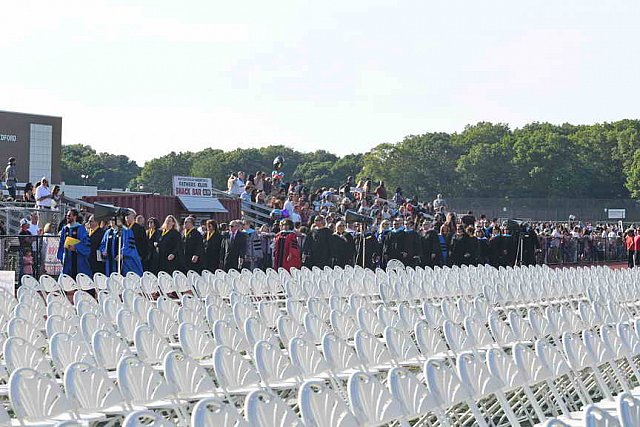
point(192, 186)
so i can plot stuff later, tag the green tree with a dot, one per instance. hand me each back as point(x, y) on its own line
point(103, 170)
point(157, 174)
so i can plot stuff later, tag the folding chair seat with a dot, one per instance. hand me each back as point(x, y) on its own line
point(141, 307)
point(221, 311)
point(521, 327)
point(315, 327)
point(478, 333)
point(595, 416)
point(110, 307)
point(451, 312)
point(320, 308)
point(457, 338)
point(296, 309)
point(57, 324)
point(433, 314)
point(90, 323)
point(33, 314)
point(241, 312)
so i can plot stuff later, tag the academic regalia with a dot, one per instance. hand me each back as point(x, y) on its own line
point(212, 245)
point(394, 245)
point(343, 249)
point(530, 244)
point(464, 250)
point(317, 248)
point(108, 248)
point(192, 246)
point(169, 244)
point(141, 240)
point(503, 250)
point(151, 262)
point(253, 255)
point(131, 261)
point(431, 251)
point(413, 248)
point(95, 237)
point(74, 262)
point(286, 251)
point(371, 250)
point(483, 251)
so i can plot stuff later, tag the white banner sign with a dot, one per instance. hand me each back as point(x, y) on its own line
point(617, 213)
point(192, 186)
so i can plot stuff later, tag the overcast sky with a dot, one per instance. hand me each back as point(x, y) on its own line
point(143, 78)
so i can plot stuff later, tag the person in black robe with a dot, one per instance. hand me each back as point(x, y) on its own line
point(394, 243)
point(234, 247)
point(431, 250)
point(317, 246)
point(464, 248)
point(367, 252)
point(483, 247)
point(212, 245)
point(169, 246)
point(413, 245)
point(153, 235)
point(344, 250)
point(95, 238)
point(192, 247)
point(529, 245)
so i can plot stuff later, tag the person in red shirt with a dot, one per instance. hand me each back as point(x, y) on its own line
point(630, 244)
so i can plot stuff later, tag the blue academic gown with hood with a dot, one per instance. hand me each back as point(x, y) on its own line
point(74, 262)
point(130, 257)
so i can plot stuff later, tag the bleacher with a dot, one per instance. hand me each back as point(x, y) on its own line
point(333, 347)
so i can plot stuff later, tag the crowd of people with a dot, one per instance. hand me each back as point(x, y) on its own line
point(355, 224)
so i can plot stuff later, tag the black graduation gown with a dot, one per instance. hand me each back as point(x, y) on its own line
point(529, 245)
point(151, 263)
point(95, 239)
point(344, 250)
point(142, 243)
point(394, 246)
point(212, 246)
point(431, 250)
point(169, 244)
point(192, 246)
point(371, 250)
point(464, 250)
point(483, 251)
point(317, 248)
point(413, 248)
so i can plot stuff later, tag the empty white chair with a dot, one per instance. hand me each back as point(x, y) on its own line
point(343, 324)
point(368, 321)
point(19, 353)
point(90, 323)
point(372, 351)
point(372, 403)
point(163, 324)
point(213, 412)
point(628, 410)
point(92, 388)
point(274, 366)
point(226, 334)
point(429, 340)
point(150, 346)
point(320, 406)
point(233, 371)
point(57, 324)
point(108, 348)
point(501, 331)
point(401, 346)
point(190, 380)
point(265, 409)
point(597, 417)
point(36, 398)
point(19, 327)
point(196, 341)
point(306, 357)
point(413, 395)
point(288, 328)
point(316, 327)
point(127, 322)
point(340, 355)
point(66, 349)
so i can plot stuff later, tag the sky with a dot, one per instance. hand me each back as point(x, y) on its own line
point(144, 78)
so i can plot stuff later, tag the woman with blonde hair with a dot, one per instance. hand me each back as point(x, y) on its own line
point(168, 245)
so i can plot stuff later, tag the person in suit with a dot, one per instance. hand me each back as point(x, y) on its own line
point(192, 247)
point(233, 247)
point(95, 237)
point(169, 246)
point(394, 246)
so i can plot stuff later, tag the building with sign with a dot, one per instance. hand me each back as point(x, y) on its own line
point(196, 195)
point(35, 141)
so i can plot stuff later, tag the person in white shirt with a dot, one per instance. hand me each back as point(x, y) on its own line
point(43, 195)
point(33, 224)
point(236, 183)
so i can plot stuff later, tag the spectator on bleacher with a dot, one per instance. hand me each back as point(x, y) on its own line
point(33, 223)
point(381, 191)
point(27, 240)
point(74, 247)
point(168, 246)
point(43, 194)
point(236, 183)
point(56, 197)
point(95, 238)
point(153, 235)
point(192, 247)
point(212, 245)
point(27, 195)
point(439, 204)
point(9, 177)
point(234, 247)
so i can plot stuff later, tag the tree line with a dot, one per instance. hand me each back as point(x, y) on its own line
point(484, 160)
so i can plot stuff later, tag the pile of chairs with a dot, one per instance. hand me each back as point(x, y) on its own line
point(346, 347)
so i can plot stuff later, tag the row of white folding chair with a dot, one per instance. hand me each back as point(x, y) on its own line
point(628, 414)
